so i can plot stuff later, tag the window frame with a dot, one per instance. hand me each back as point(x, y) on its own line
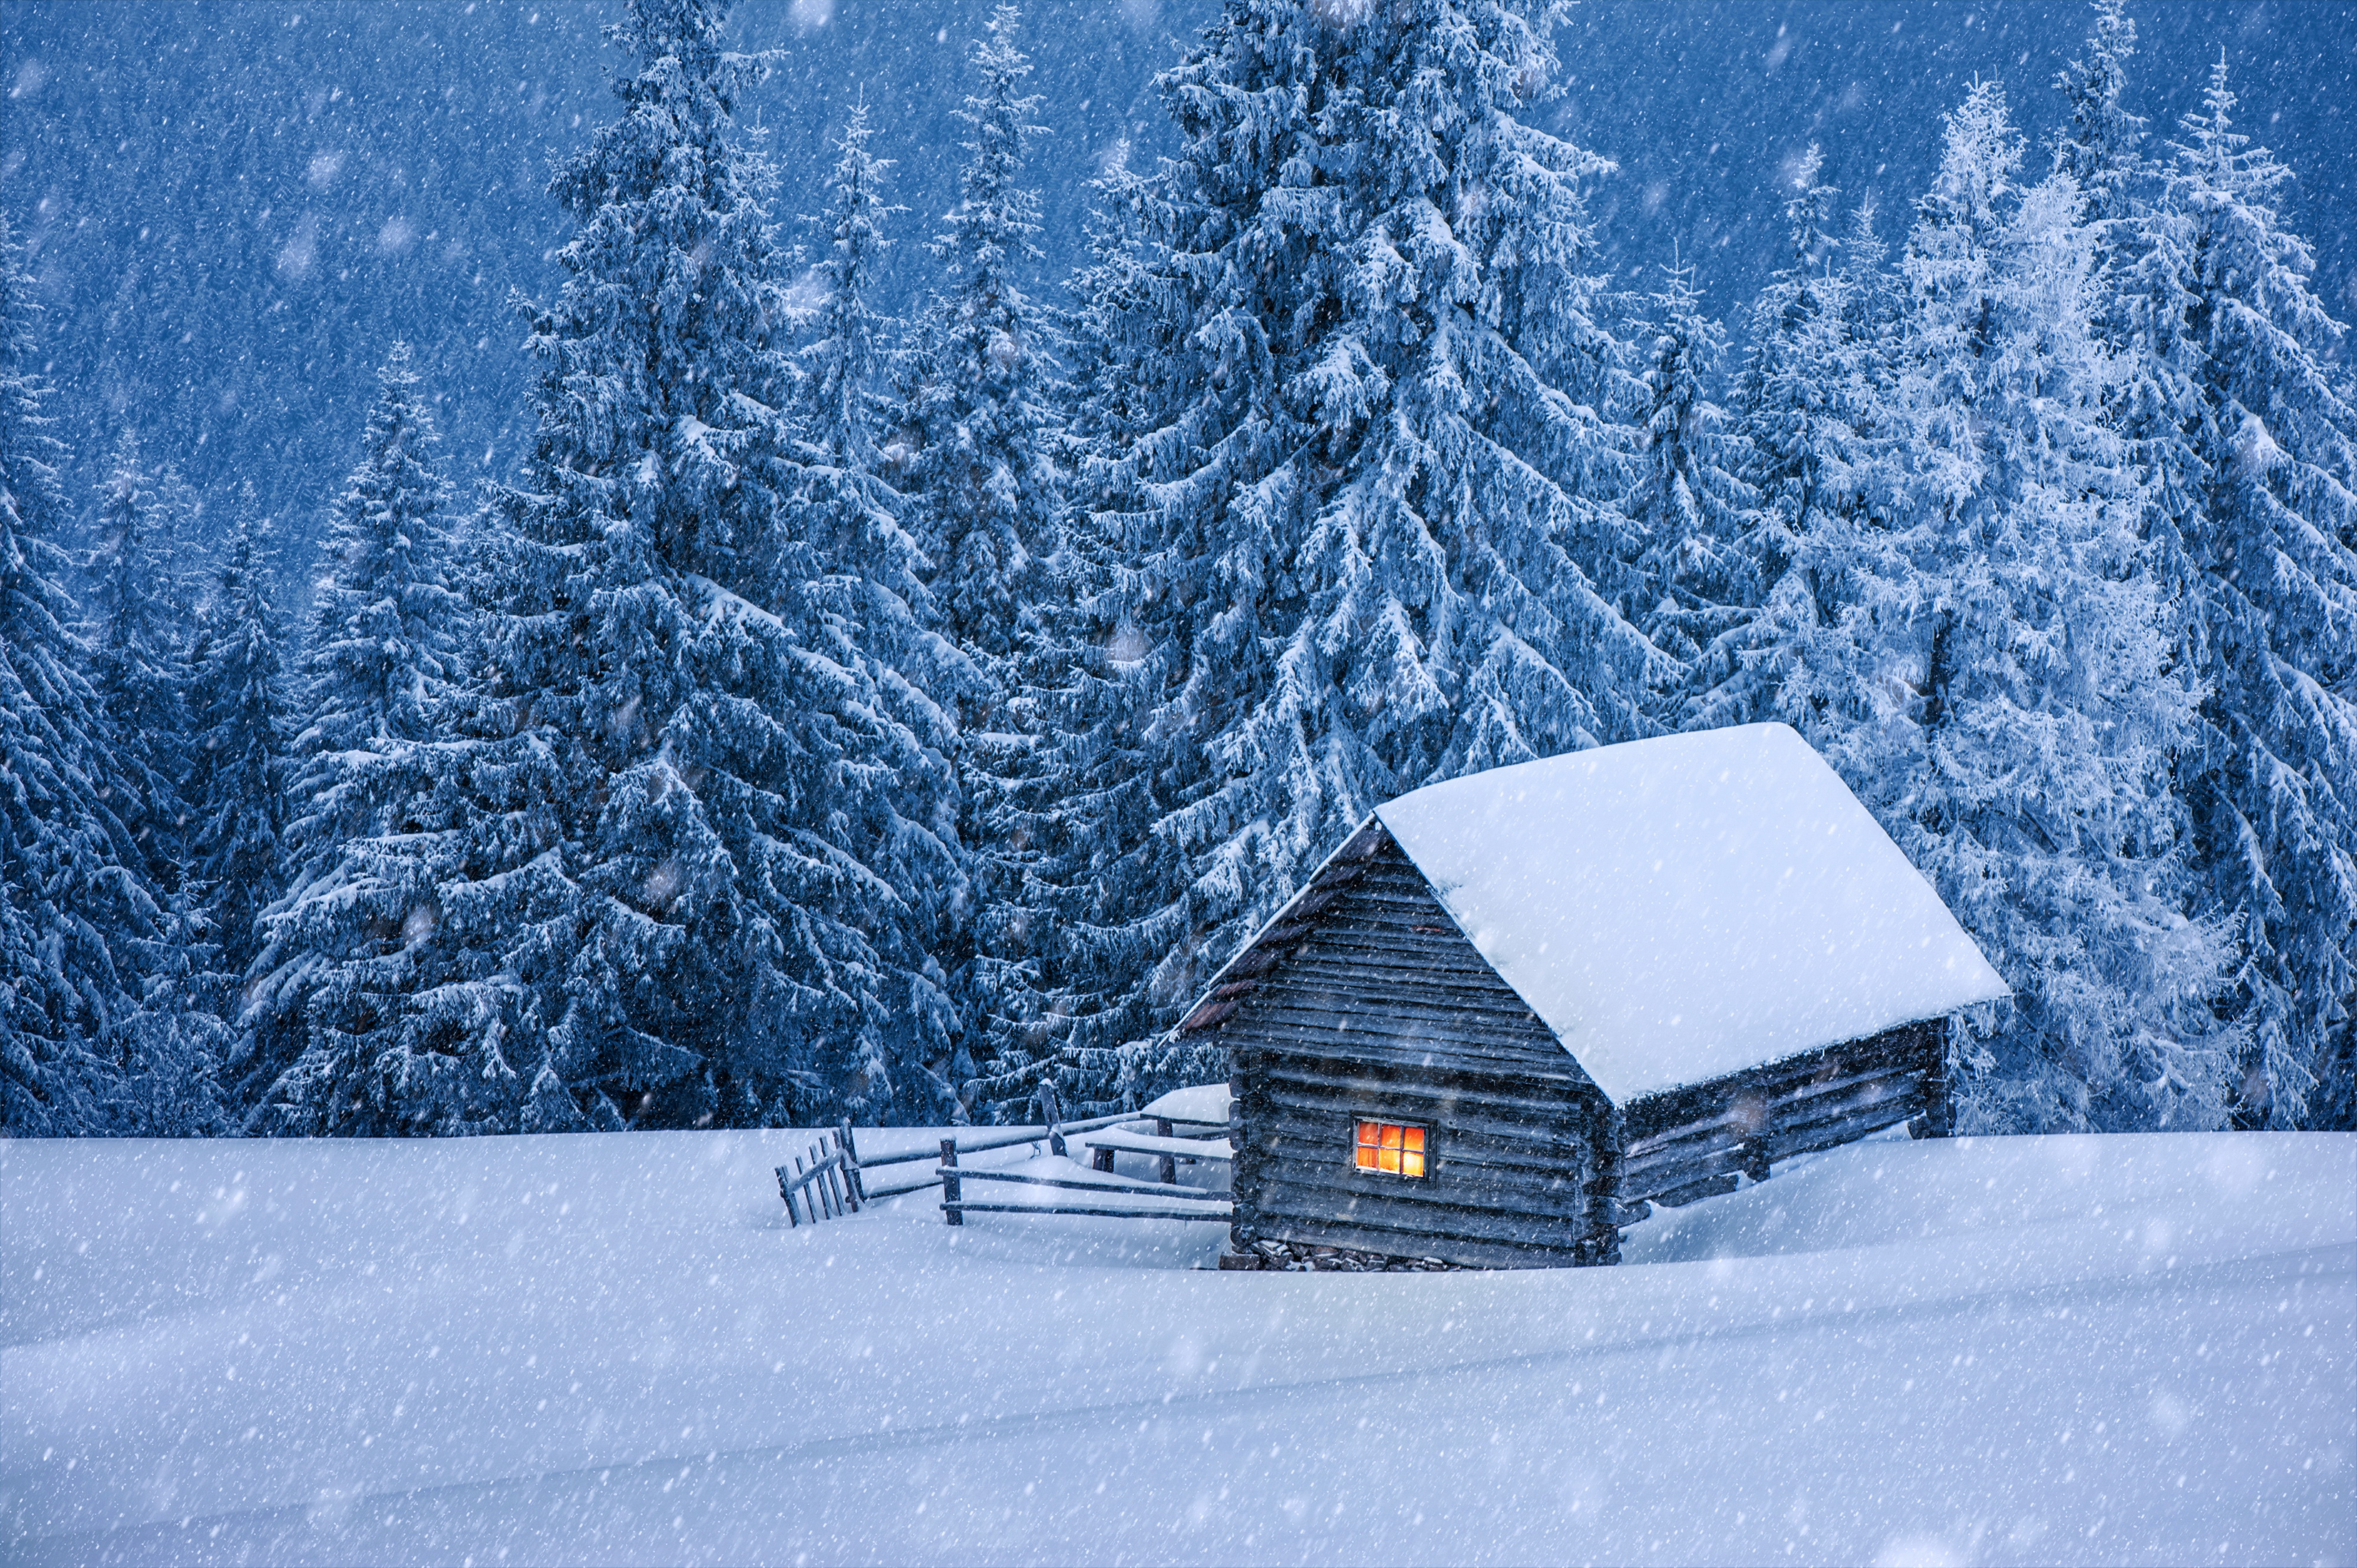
point(1359, 1127)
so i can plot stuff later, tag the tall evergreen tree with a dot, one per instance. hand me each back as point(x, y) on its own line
point(238, 766)
point(894, 1051)
point(2102, 145)
point(1075, 796)
point(378, 679)
point(977, 451)
point(1690, 507)
point(1814, 417)
point(2266, 441)
point(1379, 544)
point(641, 885)
point(1990, 667)
point(978, 413)
point(139, 658)
point(73, 896)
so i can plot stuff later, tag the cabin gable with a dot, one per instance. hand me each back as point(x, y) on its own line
point(1365, 1004)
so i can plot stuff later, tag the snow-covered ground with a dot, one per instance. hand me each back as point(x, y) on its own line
point(611, 1349)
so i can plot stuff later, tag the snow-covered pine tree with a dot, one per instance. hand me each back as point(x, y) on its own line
point(73, 896)
point(1382, 495)
point(2230, 322)
point(240, 709)
point(377, 677)
point(2102, 145)
point(976, 452)
point(1814, 417)
point(978, 418)
point(892, 1052)
point(139, 660)
point(1076, 798)
point(1691, 508)
point(1991, 672)
point(661, 879)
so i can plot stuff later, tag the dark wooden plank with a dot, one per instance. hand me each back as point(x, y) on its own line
point(1637, 1184)
point(1502, 1094)
point(1693, 1193)
point(1536, 1063)
point(1341, 1189)
point(1908, 1046)
point(1413, 1233)
point(1467, 1134)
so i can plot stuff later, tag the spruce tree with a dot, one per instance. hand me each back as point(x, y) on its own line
point(2266, 442)
point(1690, 507)
point(978, 420)
point(657, 875)
point(238, 766)
point(139, 658)
point(976, 453)
point(74, 898)
point(377, 679)
point(1816, 420)
point(1379, 544)
point(1989, 666)
point(891, 1050)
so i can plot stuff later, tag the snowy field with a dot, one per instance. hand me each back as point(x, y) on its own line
point(611, 1349)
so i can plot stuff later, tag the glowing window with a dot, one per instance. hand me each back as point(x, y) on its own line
point(1391, 1148)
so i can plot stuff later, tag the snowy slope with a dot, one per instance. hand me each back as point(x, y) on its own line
point(609, 1349)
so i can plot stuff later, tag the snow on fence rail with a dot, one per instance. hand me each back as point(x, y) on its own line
point(956, 1206)
point(832, 1181)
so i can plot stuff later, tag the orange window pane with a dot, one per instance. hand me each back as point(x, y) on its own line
point(1392, 1147)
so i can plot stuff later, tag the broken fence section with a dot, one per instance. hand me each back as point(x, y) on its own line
point(827, 1183)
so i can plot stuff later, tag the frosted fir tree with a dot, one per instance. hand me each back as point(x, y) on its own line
point(1380, 486)
point(1814, 416)
point(2240, 352)
point(240, 716)
point(631, 891)
point(1991, 670)
point(978, 428)
point(2102, 145)
point(975, 454)
point(74, 900)
point(1690, 507)
point(1074, 795)
point(138, 660)
point(377, 676)
point(894, 1053)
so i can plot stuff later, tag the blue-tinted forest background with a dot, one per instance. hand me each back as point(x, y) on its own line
point(233, 209)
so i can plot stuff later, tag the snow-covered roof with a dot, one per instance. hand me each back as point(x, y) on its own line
point(1681, 908)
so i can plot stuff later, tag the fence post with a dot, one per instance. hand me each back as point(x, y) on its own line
point(950, 1194)
point(851, 1167)
point(1169, 1171)
point(1052, 1114)
point(786, 1191)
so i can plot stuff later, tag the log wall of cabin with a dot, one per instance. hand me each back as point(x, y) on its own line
point(1379, 1009)
point(1693, 1143)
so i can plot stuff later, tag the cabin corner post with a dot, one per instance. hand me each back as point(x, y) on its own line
point(1605, 1170)
point(1938, 1117)
point(1244, 1168)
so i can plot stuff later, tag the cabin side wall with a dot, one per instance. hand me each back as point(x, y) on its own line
point(1692, 1144)
point(1385, 1011)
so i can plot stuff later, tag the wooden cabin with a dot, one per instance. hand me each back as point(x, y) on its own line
point(1514, 1009)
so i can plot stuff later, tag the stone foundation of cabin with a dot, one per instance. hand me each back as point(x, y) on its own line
point(1301, 1257)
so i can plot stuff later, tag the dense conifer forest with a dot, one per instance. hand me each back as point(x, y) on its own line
point(876, 698)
